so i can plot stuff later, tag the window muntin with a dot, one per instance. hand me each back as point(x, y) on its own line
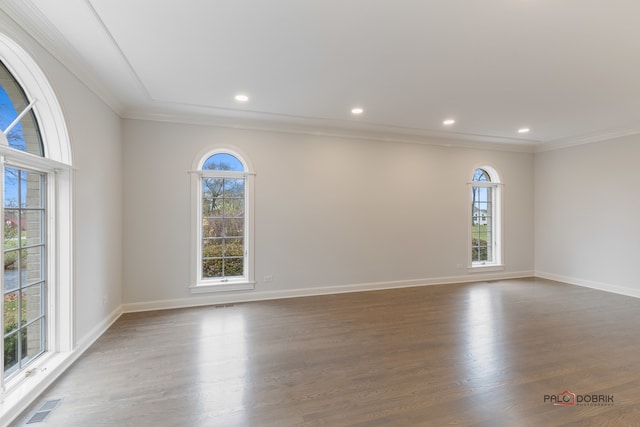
point(485, 218)
point(224, 226)
point(24, 278)
point(24, 286)
point(25, 134)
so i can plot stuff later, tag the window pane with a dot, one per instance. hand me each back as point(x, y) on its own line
point(11, 223)
point(482, 252)
point(10, 312)
point(33, 264)
point(233, 267)
point(234, 207)
point(10, 352)
point(212, 227)
point(33, 223)
point(31, 189)
point(25, 136)
point(233, 247)
point(32, 337)
point(223, 162)
point(11, 188)
point(212, 207)
point(481, 175)
point(488, 191)
point(32, 303)
point(218, 208)
point(212, 248)
point(211, 268)
point(11, 264)
point(482, 195)
point(212, 188)
point(233, 188)
point(234, 227)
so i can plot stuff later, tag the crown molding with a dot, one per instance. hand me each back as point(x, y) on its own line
point(589, 138)
point(32, 21)
point(327, 128)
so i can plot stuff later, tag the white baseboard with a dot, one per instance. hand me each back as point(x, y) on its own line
point(607, 287)
point(256, 295)
point(98, 330)
point(24, 394)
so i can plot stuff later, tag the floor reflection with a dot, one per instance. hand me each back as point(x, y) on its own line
point(482, 352)
point(222, 362)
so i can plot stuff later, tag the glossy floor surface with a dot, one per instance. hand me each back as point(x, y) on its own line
point(479, 354)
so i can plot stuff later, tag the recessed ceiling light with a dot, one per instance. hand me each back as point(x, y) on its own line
point(242, 98)
point(357, 110)
point(523, 130)
point(448, 122)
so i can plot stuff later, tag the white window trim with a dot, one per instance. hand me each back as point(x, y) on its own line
point(199, 285)
point(497, 225)
point(21, 389)
point(56, 305)
point(24, 386)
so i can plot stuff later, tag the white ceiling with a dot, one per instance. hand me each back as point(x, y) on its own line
point(569, 70)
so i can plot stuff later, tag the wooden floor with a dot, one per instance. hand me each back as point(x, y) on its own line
point(480, 354)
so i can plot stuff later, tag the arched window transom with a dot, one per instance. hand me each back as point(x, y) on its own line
point(18, 122)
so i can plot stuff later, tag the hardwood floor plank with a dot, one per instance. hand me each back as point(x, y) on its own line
point(477, 354)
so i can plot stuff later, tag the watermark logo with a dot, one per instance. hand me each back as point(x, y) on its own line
point(568, 398)
point(564, 398)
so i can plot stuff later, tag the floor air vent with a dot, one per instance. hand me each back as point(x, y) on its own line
point(44, 411)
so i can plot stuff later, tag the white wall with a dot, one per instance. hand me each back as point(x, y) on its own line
point(330, 211)
point(97, 152)
point(587, 214)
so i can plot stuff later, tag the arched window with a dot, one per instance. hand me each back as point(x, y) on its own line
point(35, 158)
point(224, 223)
point(18, 123)
point(485, 225)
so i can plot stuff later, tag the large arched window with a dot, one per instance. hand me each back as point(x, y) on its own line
point(486, 219)
point(223, 231)
point(35, 158)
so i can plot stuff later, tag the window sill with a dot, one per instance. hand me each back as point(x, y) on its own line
point(206, 288)
point(485, 268)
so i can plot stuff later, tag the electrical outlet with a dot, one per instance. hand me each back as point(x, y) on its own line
point(459, 266)
point(268, 278)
